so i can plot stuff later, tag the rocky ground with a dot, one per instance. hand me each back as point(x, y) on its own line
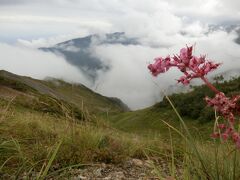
point(134, 169)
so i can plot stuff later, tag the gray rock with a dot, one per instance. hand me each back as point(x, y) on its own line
point(107, 178)
point(79, 177)
point(118, 175)
point(137, 162)
point(103, 165)
point(98, 172)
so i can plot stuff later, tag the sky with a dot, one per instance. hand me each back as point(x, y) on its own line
point(162, 27)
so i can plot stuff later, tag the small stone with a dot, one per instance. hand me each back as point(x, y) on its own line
point(98, 172)
point(128, 164)
point(81, 177)
point(137, 162)
point(149, 163)
point(119, 175)
point(142, 175)
point(78, 171)
point(107, 178)
point(103, 165)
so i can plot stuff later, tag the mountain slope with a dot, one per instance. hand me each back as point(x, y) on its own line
point(52, 93)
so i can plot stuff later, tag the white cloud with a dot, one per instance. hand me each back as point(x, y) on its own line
point(130, 80)
point(56, 17)
point(38, 64)
point(128, 77)
point(162, 26)
point(51, 41)
point(52, 19)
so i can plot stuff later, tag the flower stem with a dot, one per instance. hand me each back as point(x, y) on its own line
point(214, 89)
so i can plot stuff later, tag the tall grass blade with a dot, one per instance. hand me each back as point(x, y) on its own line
point(155, 168)
point(172, 156)
point(53, 156)
point(191, 140)
point(5, 162)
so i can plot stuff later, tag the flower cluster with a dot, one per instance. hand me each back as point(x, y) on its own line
point(227, 108)
point(191, 66)
point(198, 67)
point(224, 105)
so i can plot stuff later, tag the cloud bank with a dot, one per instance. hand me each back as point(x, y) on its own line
point(130, 80)
point(162, 27)
point(38, 64)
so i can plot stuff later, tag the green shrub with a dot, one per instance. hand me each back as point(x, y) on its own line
point(193, 105)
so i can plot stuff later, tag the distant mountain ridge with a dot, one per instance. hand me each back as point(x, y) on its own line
point(78, 51)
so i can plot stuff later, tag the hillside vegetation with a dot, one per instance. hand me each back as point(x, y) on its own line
point(48, 127)
point(191, 106)
point(37, 115)
point(53, 92)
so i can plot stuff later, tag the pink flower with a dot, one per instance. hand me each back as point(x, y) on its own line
point(224, 105)
point(236, 139)
point(184, 80)
point(221, 126)
point(215, 135)
point(209, 66)
point(186, 54)
point(225, 136)
point(191, 66)
point(235, 136)
point(198, 67)
point(156, 68)
point(160, 66)
point(238, 143)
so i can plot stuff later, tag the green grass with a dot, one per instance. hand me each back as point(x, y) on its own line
point(204, 160)
point(85, 98)
point(150, 121)
point(35, 134)
point(35, 141)
point(192, 151)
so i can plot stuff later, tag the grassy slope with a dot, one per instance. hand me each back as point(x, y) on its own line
point(85, 98)
point(150, 122)
point(28, 136)
point(35, 115)
point(76, 95)
point(191, 107)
